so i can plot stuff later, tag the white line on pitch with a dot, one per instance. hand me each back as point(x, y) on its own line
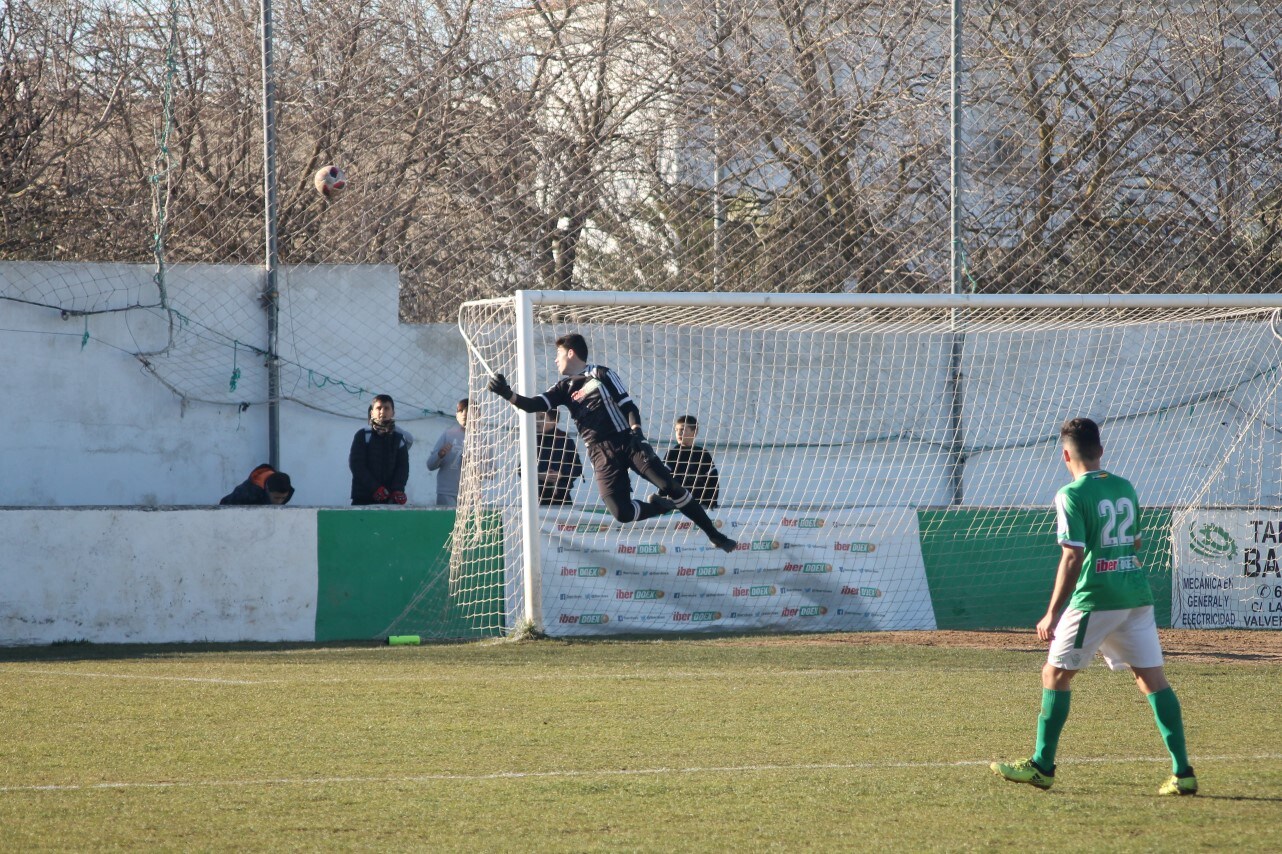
point(140, 676)
point(651, 675)
point(438, 675)
point(605, 772)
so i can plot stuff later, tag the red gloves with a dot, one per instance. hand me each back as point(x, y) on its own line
point(398, 497)
point(381, 495)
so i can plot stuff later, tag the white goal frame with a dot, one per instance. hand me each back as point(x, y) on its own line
point(526, 302)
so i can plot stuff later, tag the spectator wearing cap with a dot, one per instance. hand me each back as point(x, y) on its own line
point(264, 485)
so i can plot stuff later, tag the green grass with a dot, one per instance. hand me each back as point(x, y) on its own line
point(654, 746)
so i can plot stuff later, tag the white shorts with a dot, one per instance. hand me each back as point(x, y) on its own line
point(1126, 638)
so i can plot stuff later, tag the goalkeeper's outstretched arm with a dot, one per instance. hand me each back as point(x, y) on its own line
point(498, 385)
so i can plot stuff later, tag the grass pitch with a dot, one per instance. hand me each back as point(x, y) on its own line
point(689, 745)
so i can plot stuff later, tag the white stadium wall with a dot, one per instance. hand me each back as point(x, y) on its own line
point(88, 424)
point(138, 576)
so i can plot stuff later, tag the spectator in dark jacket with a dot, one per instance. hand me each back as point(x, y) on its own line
point(692, 465)
point(264, 485)
point(559, 465)
point(380, 457)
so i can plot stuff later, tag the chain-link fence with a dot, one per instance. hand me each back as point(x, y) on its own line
point(756, 145)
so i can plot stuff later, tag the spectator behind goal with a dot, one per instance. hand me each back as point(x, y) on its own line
point(692, 465)
point(380, 457)
point(264, 485)
point(446, 458)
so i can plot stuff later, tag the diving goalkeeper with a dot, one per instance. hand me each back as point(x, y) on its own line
point(609, 422)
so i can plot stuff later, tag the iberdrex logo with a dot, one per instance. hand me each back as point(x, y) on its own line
point(855, 548)
point(643, 549)
point(852, 590)
point(1126, 563)
point(638, 594)
point(755, 590)
point(760, 546)
point(696, 616)
point(806, 522)
point(700, 571)
point(804, 611)
point(584, 619)
point(583, 571)
point(582, 527)
point(1210, 540)
point(816, 567)
point(686, 525)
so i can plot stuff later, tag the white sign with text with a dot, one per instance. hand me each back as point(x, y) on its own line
point(852, 569)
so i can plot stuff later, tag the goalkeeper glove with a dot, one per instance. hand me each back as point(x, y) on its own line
point(381, 494)
point(498, 385)
point(398, 497)
point(639, 442)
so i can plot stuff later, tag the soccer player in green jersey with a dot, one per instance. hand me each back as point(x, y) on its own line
point(1101, 601)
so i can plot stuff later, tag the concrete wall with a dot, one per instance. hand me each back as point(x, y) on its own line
point(137, 576)
point(126, 575)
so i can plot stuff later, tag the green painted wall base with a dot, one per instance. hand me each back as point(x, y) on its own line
point(371, 564)
point(994, 568)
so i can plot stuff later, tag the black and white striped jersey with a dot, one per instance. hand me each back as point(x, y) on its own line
point(598, 403)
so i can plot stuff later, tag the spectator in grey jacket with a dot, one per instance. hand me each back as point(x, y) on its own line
point(446, 459)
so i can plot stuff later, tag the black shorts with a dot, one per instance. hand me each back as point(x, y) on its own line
point(614, 458)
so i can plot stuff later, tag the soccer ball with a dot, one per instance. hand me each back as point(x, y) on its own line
point(329, 181)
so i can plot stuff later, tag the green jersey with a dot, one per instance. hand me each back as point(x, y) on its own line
point(1100, 513)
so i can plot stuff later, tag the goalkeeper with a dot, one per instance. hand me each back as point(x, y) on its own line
point(610, 424)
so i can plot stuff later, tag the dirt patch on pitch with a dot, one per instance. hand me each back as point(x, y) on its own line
point(1197, 645)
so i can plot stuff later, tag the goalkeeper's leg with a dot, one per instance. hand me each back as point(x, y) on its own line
point(677, 497)
point(614, 481)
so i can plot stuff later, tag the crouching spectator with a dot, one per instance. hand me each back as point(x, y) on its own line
point(264, 485)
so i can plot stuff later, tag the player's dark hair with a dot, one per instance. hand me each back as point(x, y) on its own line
point(462, 405)
point(1081, 437)
point(688, 421)
point(575, 343)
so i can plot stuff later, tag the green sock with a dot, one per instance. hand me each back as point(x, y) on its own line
point(1049, 724)
point(1170, 723)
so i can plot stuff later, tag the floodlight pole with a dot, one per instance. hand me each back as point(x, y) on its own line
point(271, 291)
point(957, 451)
point(718, 160)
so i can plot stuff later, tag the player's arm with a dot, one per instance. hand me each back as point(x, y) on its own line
point(498, 384)
point(632, 413)
point(627, 406)
point(1070, 569)
point(437, 458)
point(571, 460)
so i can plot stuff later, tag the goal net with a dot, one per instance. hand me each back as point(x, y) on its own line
point(884, 462)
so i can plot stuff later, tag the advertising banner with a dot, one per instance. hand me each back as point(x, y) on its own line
point(855, 569)
point(1226, 570)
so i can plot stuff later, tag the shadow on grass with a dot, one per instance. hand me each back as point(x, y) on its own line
point(85, 651)
point(1202, 797)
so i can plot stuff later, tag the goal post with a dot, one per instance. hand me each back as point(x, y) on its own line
point(885, 461)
